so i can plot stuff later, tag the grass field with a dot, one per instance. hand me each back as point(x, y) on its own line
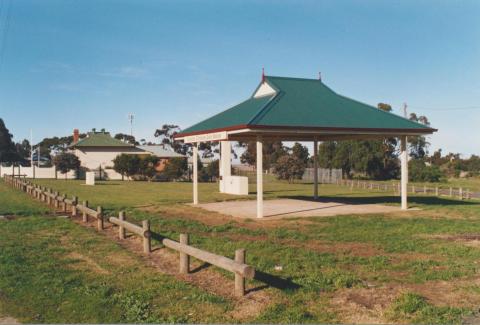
point(419, 266)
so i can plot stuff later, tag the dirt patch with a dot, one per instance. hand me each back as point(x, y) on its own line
point(86, 262)
point(369, 305)
point(472, 240)
point(361, 305)
point(202, 275)
point(8, 320)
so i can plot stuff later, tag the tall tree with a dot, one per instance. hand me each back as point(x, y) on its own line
point(271, 152)
point(126, 138)
point(49, 146)
point(167, 133)
point(23, 148)
point(418, 144)
point(8, 152)
point(301, 152)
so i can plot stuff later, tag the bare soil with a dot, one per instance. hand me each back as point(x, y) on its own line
point(8, 320)
point(369, 305)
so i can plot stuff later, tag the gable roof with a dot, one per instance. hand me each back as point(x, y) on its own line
point(304, 104)
point(100, 139)
point(160, 152)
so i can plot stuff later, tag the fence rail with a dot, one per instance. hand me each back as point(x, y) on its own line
point(241, 270)
point(453, 192)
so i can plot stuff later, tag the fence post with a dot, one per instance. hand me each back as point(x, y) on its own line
point(55, 200)
point(451, 191)
point(436, 190)
point(184, 258)
point(239, 280)
point(74, 206)
point(460, 193)
point(85, 215)
point(121, 230)
point(64, 203)
point(424, 189)
point(99, 218)
point(147, 245)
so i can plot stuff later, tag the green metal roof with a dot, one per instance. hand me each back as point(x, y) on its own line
point(100, 139)
point(304, 103)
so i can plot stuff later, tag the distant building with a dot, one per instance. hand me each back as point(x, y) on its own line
point(162, 153)
point(98, 149)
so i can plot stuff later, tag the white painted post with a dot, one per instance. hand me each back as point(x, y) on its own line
point(195, 173)
point(225, 163)
point(259, 177)
point(315, 169)
point(404, 172)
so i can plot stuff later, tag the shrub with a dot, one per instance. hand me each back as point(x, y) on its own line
point(66, 162)
point(175, 169)
point(289, 167)
point(126, 164)
point(420, 172)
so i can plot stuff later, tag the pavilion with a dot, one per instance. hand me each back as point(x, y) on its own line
point(295, 109)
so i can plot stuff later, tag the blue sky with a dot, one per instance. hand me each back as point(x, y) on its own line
point(85, 64)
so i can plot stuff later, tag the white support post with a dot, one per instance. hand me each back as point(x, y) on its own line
point(195, 173)
point(404, 171)
point(315, 169)
point(225, 163)
point(259, 177)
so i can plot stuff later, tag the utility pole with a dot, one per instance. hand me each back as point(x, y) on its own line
point(130, 119)
point(405, 110)
point(31, 148)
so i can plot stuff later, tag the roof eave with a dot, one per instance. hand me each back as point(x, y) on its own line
point(322, 130)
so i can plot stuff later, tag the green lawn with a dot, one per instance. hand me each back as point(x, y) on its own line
point(318, 269)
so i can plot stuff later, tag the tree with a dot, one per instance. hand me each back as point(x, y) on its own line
point(420, 172)
point(66, 162)
point(272, 151)
point(147, 167)
point(56, 144)
point(175, 168)
point(301, 152)
point(418, 144)
point(126, 138)
point(289, 167)
point(7, 147)
point(126, 164)
point(167, 133)
point(23, 148)
point(210, 172)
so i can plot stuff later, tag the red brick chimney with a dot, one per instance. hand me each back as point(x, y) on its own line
point(76, 135)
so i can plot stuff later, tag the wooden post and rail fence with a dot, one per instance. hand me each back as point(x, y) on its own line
point(459, 192)
point(237, 266)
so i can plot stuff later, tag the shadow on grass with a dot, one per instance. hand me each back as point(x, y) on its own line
point(424, 200)
point(274, 282)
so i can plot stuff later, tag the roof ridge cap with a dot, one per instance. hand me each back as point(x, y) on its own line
point(294, 78)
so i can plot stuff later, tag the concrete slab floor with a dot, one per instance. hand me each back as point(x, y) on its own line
point(286, 208)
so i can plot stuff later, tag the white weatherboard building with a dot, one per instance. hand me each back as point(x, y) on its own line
point(98, 150)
